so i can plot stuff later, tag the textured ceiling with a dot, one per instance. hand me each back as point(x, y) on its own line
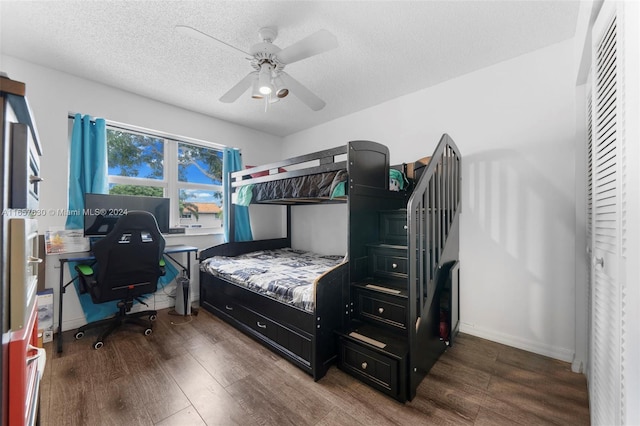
point(386, 49)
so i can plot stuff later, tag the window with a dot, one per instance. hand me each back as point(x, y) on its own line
point(187, 172)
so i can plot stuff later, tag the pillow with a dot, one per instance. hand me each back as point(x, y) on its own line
point(339, 190)
point(245, 193)
point(396, 180)
point(263, 173)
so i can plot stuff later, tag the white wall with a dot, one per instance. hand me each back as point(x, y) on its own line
point(514, 123)
point(52, 95)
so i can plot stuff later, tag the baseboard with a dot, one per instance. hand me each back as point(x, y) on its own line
point(577, 366)
point(562, 354)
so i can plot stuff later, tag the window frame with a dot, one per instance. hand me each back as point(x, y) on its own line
point(170, 183)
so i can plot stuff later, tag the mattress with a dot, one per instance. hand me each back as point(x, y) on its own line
point(310, 187)
point(286, 275)
point(316, 187)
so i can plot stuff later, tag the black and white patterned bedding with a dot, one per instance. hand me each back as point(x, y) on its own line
point(285, 274)
point(319, 185)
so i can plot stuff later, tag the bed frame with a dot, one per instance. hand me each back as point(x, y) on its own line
point(388, 313)
point(305, 338)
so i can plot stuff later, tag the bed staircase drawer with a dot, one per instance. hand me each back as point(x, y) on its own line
point(389, 261)
point(385, 309)
point(393, 227)
point(372, 367)
point(381, 368)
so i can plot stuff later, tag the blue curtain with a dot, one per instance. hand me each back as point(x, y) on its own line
point(87, 166)
point(232, 162)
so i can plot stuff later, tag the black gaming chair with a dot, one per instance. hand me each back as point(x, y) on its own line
point(129, 263)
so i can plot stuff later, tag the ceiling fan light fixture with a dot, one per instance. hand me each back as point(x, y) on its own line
point(255, 88)
point(268, 81)
point(280, 90)
point(266, 89)
point(264, 79)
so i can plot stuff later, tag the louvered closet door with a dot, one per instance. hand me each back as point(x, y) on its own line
point(589, 218)
point(607, 227)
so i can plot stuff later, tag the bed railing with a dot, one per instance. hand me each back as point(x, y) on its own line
point(317, 162)
point(432, 210)
point(366, 162)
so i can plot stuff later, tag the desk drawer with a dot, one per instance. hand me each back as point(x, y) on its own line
point(387, 261)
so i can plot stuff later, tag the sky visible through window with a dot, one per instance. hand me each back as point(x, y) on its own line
point(140, 156)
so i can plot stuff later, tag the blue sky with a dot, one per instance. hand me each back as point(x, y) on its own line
point(193, 175)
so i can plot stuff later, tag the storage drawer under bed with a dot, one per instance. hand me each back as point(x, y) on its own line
point(295, 342)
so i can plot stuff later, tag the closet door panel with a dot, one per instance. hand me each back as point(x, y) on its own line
point(605, 193)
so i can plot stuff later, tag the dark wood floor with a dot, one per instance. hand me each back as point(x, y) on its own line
point(206, 373)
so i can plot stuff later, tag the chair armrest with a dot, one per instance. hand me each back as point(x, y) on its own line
point(163, 271)
point(85, 274)
point(85, 270)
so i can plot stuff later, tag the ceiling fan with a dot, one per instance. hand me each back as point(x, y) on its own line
point(268, 81)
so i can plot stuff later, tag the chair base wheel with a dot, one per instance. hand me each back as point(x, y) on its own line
point(148, 331)
point(79, 335)
point(98, 345)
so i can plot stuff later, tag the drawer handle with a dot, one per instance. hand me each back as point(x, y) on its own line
point(261, 325)
point(364, 365)
point(405, 227)
point(39, 352)
point(394, 265)
point(228, 308)
point(380, 310)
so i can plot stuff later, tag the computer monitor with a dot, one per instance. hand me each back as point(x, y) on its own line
point(103, 210)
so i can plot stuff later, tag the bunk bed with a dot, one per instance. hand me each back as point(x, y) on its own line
point(303, 332)
point(404, 274)
point(389, 308)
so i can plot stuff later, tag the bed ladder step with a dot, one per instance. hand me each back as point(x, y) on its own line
point(376, 338)
point(390, 286)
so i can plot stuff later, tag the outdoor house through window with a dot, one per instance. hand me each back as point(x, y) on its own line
point(186, 171)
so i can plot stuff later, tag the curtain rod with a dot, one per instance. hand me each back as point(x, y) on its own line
point(73, 115)
point(154, 133)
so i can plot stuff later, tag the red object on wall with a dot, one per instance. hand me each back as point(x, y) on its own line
point(263, 173)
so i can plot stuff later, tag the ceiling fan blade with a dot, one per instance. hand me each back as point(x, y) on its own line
point(302, 93)
point(237, 90)
point(315, 44)
point(199, 35)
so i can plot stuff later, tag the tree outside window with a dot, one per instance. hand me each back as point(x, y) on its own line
point(188, 173)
